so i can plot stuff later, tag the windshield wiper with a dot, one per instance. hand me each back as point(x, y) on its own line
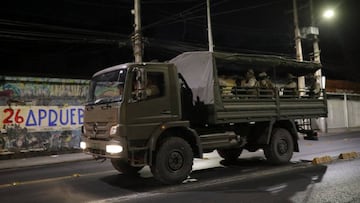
point(107, 100)
point(118, 99)
point(102, 101)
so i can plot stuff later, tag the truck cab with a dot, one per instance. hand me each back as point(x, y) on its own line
point(121, 110)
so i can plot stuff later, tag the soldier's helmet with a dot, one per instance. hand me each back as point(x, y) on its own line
point(250, 73)
point(262, 75)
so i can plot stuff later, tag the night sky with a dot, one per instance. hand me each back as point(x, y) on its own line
point(75, 38)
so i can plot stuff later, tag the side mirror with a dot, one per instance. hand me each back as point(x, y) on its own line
point(138, 81)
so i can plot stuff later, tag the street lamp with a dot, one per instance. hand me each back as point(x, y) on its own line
point(328, 14)
point(311, 32)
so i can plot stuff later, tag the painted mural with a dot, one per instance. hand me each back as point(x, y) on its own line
point(41, 114)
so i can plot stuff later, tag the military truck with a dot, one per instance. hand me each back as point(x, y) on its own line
point(198, 108)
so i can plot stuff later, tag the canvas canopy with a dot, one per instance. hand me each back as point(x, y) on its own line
point(200, 69)
point(197, 69)
point(234, 61)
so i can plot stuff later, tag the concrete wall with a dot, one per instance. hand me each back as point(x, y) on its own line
point(40, 114)
point(344, 110)
point(353, 113)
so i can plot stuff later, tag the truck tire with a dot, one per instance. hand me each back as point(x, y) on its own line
point(124, 167)
point(281, 147)
point(230, 155)
point(173, 161)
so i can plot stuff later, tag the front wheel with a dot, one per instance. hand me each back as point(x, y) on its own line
point(280, 148)
point(173, 161)
point(124, 167)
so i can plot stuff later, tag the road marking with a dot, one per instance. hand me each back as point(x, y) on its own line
point(188, 185)
point(46, 180)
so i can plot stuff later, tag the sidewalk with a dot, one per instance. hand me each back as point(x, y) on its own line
point(43, 160)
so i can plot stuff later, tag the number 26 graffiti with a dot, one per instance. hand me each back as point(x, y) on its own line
point(11, 115)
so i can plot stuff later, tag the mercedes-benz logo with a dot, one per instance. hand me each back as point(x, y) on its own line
point(95, 128)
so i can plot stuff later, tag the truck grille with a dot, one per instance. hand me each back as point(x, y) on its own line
point(98, 130)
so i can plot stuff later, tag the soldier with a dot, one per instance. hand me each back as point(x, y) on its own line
point(250, 80)
point(314, 86)
point(291, 86)
point(250, 83)
point(236, 90)
point(264, 81)
point(152, 89)
point(264, 84)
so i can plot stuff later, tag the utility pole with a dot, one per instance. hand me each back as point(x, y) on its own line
point(316, 39)
point(318, 74)
point(137, 37)
point(321, 122)
point(299, 55)
point(210, 37)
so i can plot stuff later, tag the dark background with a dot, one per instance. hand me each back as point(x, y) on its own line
point(75, 38)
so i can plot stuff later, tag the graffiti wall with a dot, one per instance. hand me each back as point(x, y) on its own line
point(41, 114)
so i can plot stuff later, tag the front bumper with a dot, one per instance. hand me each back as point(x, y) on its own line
point(104, 148)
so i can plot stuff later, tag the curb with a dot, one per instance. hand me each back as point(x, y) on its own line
point(349, 155)
point(329, 159)
point(322, 160)
point(43, 160)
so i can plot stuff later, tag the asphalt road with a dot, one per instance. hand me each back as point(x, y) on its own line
point(337, 182)
point(250, 179)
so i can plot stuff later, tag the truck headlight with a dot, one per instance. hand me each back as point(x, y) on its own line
point(114, 129)
point(114, 149)
point(83, 145)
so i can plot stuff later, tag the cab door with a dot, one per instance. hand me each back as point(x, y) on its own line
point(149, 104)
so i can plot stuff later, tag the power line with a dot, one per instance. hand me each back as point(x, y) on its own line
point(183, 14)
point(28, 25)
point(44, 32)
point(169, 2)
point(247, 8)
point(175, 16)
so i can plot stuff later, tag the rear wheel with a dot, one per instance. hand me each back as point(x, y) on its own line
point(173, 161)
point(124, 167)
point(230, 154)
point(281, 147)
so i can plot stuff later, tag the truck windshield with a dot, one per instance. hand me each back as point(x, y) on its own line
point(107, 87)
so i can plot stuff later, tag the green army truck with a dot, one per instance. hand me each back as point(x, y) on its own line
point(195, 112)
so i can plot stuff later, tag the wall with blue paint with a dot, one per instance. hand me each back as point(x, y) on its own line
point(41, 114)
